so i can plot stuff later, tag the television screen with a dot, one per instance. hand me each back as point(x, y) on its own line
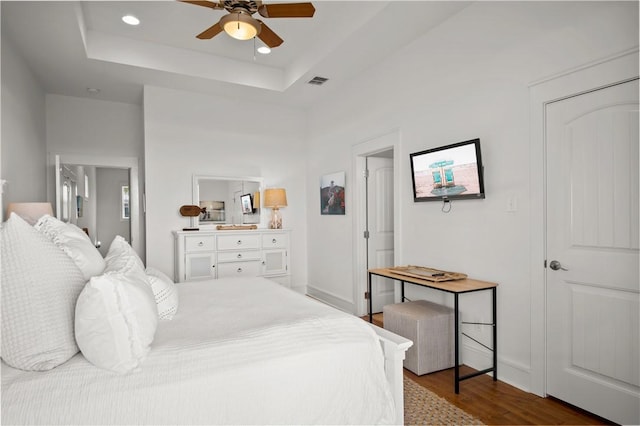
point(448, 172)
point(247, 203)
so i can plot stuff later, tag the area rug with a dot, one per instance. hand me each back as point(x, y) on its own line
point(423, 407)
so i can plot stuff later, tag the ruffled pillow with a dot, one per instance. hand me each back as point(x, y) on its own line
point(165, 293)
point(121, 254)
point(116, 314)
point(75, 243)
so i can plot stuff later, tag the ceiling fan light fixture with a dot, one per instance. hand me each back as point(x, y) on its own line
point(240, 26)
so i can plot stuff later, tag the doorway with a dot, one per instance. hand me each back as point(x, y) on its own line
point(376, 217)
point(566, 297)
point(112, 215)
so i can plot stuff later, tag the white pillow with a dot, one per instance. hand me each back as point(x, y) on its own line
point(120, 253)
point(116, 320)
point(165, 292)
point(75, 242)
point(40, 286)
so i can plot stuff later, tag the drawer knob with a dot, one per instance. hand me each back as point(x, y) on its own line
point(274, 241)
point(239, 256)
point(200, 244)
point(239, 242)
point(239, 270)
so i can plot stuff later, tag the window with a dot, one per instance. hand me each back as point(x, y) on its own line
point(124, 202)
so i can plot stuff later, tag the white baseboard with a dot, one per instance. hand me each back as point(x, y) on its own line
point(508, 371)
point(302, 289)
point(330, 299)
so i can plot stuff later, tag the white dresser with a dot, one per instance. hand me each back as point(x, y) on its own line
point(215, 254)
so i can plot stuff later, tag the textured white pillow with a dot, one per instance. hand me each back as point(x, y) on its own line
point(40, 286)
point(165, 292)
point(73, 241)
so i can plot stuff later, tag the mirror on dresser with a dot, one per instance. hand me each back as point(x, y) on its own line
point(228, 200)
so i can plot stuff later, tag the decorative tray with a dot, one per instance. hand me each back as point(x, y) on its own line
point(235, 227)
point(429, 274)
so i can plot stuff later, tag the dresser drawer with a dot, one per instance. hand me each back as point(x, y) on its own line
point(239, 269)
point(237, 256)
point(199, 243)
point(275, 240)
point(238, 242)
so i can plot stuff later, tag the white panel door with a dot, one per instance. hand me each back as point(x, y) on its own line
point(380, 225)
point(593, 289)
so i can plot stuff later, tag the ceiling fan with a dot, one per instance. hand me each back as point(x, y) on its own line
point(239, 23)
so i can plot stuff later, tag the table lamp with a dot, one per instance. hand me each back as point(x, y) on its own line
point(275, 198)
point(30, 212)
point(256, 201)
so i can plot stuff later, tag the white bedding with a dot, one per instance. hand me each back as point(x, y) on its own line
point(238, 351)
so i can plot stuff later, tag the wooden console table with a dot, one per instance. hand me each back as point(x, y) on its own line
point(456, 287)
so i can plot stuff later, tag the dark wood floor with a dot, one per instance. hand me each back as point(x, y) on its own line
point(498, 403)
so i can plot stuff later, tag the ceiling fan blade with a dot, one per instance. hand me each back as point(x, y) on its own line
point(269, 38)
point(287, 10)
point(210, 32)
point(204, 3)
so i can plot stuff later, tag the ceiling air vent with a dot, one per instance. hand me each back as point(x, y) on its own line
point(318, 81)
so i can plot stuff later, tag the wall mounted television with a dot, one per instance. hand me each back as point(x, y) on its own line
point(450, 172)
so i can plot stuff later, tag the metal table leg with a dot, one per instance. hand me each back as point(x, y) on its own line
point(370, 297)
point(455, 339)
point(495, 335)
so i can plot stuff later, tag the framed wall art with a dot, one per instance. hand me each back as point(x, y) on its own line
point(332, 199)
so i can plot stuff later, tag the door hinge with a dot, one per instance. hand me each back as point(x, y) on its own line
point(545, 263)
point(366, 295)
point(366, 234)
point(365, 173)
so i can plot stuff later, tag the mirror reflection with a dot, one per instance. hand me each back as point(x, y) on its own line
point(227, 200)
point(96, 199)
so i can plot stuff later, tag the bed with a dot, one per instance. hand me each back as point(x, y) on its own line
point(235, 351)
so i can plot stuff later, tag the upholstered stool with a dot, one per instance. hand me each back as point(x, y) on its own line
point(431, 328)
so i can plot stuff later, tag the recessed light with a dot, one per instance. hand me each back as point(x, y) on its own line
point(265, 50)
point(93, 90)
point(131, 20)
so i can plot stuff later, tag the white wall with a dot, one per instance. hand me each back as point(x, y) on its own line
point(95, 128)
point(23, 139)
point(188, 133)
point(467, 78)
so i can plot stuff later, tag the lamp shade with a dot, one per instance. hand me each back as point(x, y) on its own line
point(275, 197)
point(240, 26)
point(30, 212)
point(256, 200)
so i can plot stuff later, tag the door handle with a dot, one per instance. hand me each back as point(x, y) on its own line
point(555, 265)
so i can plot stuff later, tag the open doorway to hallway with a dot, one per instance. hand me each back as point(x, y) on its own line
point(377, 211)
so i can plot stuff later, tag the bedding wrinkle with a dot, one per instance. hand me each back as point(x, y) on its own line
point(238, 351)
